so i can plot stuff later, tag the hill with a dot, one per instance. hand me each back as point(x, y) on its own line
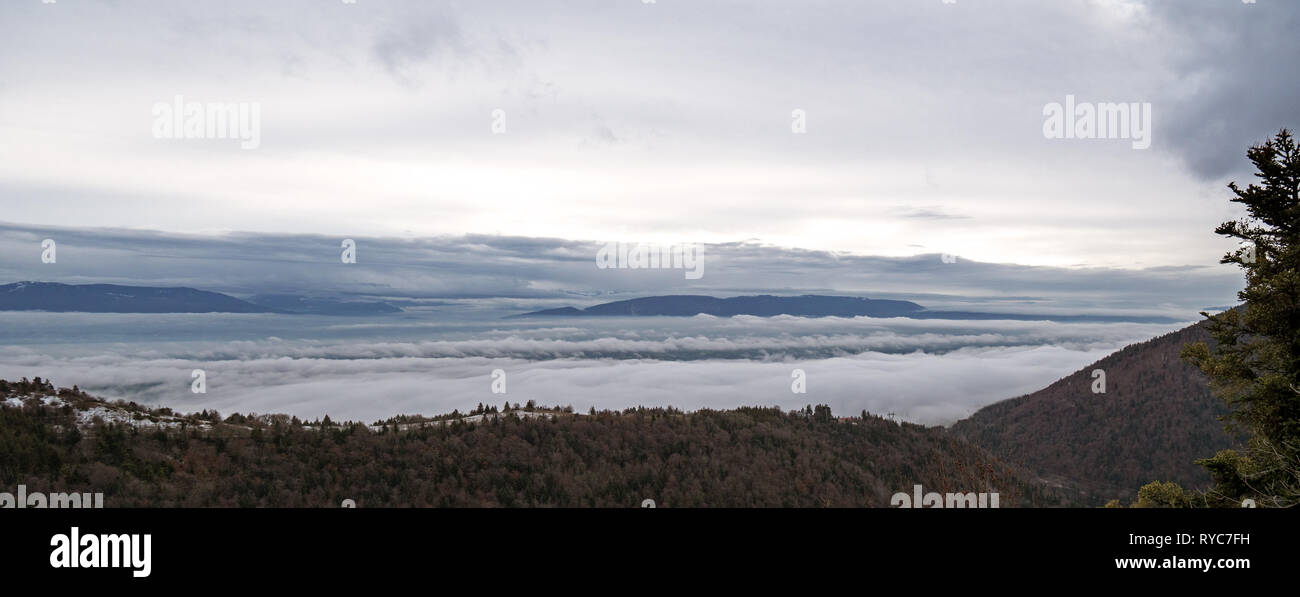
point(808, 305)
point(138, 456)
point(1155, 419)
point(112, 298)
point(686, 305)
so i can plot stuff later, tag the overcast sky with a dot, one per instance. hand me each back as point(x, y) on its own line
point(668, 121)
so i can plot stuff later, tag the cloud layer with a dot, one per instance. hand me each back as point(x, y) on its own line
point(931, 371)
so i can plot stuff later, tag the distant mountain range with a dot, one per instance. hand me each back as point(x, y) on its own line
point(808, 305)
point(762, 305)
point(1156, 417)
point(112, 298)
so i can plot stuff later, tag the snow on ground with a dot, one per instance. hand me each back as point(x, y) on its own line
point(110, 414)
point(87, 417)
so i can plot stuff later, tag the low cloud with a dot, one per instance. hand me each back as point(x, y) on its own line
point(921, 387)
point(932, 372)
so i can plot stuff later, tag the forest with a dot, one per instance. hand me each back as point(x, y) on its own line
point(746, 457)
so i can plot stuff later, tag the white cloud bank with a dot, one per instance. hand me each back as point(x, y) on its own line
point(932, 372)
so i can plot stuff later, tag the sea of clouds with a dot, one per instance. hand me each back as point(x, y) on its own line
point(927, 371)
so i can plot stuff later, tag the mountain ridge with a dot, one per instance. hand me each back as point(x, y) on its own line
point(1155, 419)
point(114, 298)
point(58, 297)
point(806, 305)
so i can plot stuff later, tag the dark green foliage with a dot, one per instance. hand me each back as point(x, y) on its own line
point(1254, 365)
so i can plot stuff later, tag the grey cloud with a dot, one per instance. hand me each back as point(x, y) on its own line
point(416, 40)
point(1235, 86)
point(929, 213)
point(936, 92)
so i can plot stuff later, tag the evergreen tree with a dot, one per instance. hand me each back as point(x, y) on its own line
point(1254, 365)
point(822, 413)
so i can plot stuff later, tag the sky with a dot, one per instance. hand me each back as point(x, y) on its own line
point(857, 130)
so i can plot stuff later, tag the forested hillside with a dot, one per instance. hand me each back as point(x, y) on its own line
point(741, 457)
point(1156, 418)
